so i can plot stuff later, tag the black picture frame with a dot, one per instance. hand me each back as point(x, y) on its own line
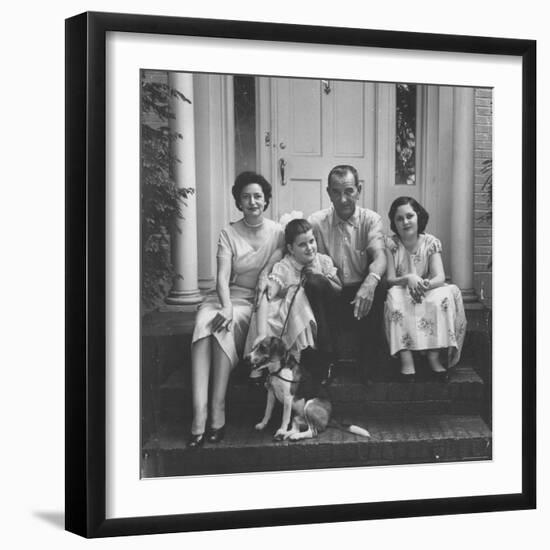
point(86, 268)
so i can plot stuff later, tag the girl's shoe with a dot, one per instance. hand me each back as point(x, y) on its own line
point(407, 378)
point(215, 435)
point(196, 441)
point(440, 376)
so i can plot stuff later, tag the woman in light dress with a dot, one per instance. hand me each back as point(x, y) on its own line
point(422, 312)
point(245, 248)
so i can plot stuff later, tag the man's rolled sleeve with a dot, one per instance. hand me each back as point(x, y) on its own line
point(375, 236)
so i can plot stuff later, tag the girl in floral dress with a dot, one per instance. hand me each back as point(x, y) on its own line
point(422, 312)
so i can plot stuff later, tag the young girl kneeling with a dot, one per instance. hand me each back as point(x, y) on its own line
point(422, 312)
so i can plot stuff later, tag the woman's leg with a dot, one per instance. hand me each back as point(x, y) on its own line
point(201, 359)
point(433, 359)
point(407, 362)
point(220, 377)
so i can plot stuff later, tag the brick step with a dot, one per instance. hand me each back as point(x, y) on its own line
point(463, 394)
point(399, 440)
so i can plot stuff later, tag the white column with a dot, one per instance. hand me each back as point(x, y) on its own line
point(462, 212)
point(185, 288)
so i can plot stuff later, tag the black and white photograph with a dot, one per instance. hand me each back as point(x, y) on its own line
point(287, 268)
point(316, 273)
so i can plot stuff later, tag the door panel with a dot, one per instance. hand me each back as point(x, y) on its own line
point(349, 119)
point(303, 195)
point(313, 131)
point(304, 129)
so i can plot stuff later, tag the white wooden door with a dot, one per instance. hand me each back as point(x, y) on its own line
point(314, 126)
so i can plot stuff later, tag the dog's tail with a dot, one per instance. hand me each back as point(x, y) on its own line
point(351, 428)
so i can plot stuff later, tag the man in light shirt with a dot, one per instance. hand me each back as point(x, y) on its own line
point(352, 236)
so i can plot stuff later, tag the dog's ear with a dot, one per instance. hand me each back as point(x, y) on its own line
point(277, 347)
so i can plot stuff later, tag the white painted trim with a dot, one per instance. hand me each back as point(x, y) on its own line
point(228, 147)
point(264, 126)
point(215, 146)
point(369, 194)
point(385, 139)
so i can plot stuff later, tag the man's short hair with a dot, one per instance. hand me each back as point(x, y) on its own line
point(341, 171)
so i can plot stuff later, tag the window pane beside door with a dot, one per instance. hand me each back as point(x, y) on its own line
point(245, 123)
point(405, 134)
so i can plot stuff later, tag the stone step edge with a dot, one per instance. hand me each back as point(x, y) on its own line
point(434, 428)
point(462, 374)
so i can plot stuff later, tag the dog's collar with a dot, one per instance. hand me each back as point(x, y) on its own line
point(265, 365)
point(277, 375)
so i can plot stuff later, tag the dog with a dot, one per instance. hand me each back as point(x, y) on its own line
point(285, 382)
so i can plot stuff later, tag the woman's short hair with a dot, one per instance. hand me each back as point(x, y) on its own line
point(421, 212)
point(246, 178)
point(294, 228)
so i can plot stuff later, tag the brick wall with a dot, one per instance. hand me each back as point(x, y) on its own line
point(483, 149)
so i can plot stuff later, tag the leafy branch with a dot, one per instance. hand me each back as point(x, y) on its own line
point(161, 199)
point(487, 186)
point(487, 217)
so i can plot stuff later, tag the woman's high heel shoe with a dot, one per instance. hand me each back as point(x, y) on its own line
point(196, 441)
point(215, 435)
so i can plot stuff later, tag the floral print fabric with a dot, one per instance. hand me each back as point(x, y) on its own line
point(438, 322)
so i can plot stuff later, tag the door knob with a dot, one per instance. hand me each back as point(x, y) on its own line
point(282, 166)
point(282, 145)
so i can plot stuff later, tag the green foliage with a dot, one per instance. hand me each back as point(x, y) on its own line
point(161, 200)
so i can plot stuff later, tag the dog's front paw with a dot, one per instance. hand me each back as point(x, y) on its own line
point(291, 435)
point(260, 426)
point(280, 434)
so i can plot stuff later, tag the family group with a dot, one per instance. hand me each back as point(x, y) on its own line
point(309, 280)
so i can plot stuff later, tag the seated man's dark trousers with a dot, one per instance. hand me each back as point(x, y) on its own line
point(323, 299)
point(368, 331)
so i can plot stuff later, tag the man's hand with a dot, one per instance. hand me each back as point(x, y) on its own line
point(363, 299)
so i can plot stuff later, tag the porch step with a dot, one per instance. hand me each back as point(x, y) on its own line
point(463, 394)
point(398, 440)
